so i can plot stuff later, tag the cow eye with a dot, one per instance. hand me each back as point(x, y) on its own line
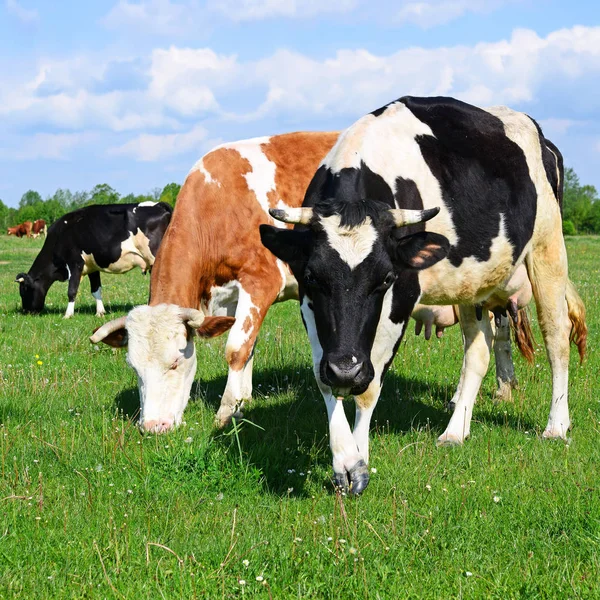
point(388, 281)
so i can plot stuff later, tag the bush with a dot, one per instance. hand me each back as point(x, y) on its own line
point(569, 228)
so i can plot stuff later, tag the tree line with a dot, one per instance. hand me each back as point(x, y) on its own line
point(581, 205)
point(32, 206)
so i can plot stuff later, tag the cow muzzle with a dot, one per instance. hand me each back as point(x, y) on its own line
point(346, 375)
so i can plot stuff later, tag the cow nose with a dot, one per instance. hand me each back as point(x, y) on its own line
point(157, 425)
point(341, 374)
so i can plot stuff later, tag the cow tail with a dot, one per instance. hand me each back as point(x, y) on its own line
point(523, 335)
point(577, 317)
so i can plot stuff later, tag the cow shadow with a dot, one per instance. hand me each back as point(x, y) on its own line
point(112, 310)
point(285, 427)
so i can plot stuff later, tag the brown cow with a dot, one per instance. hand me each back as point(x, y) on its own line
point(39, 228)
point(212, 259)
point(24, 229)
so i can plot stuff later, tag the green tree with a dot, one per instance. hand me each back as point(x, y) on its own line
point(29, 197)
point(579, 204)
point(169, 193)
point(103, 194)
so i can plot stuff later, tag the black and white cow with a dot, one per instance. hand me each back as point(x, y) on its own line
point(487, 184)
point(113, 238)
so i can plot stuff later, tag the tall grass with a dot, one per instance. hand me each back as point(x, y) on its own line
point(91, 508)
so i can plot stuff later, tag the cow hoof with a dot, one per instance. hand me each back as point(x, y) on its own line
point(555, 433)
point(504, 392)
point(448, 439)
point(226, 413)
point(68, 316)
point(100, 314)
point(354, 481)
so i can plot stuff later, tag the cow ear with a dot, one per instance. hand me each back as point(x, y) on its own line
point(214, 326)
point(289, 245)
point(116, 339)
point(421, 250)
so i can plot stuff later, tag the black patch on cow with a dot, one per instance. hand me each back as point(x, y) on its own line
point(481, 172)
point(379, 111)
point(553, 162)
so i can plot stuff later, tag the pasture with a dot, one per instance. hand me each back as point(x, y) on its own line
point(91, 508)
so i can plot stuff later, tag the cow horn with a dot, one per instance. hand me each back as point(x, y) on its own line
point(192, 316)
point(19, 279)
point(107, 329)
point(300, 216)
point(403, 216)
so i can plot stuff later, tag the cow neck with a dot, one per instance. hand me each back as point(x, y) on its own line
point(186, 263)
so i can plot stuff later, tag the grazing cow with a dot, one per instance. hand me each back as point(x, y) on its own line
point(24, 229)
point(39, 228)
point(212, 259)
point(113, 238)
point(487, 183)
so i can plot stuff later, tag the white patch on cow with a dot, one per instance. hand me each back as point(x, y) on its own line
point(70, 310)
point(261, 179)
point(157, 342)
point(147, 203)
point(68, 272)
point(135, 252)
point(245, 314)
point(99, 305)
point(199, 166)
point(353, 244)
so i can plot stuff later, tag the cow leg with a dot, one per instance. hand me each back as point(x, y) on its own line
point(251, 309)
point(477, 336)
point(74, 281)
point(505, 369)
point(96, 289)
point(348, 463)
point(547, 269)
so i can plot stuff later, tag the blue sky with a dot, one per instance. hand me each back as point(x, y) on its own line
point(133, 92)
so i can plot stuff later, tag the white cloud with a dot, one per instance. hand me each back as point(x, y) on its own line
point(160, 17)
point(149, 147)
point(437, 12)
point(183, 78)
point(253, 10)
point(26, 15)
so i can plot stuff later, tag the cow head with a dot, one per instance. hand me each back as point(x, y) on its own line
point(348, 260)
point(160, 341)
point(33, 293)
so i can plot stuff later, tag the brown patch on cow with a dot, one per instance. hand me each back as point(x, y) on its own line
point(304, 150)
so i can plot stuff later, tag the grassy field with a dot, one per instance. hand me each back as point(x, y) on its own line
point(90, 508)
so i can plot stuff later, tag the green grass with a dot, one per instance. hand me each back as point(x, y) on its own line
point(90, 508)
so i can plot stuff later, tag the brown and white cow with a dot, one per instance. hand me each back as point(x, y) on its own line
point(39, 228)
point(212, 267)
